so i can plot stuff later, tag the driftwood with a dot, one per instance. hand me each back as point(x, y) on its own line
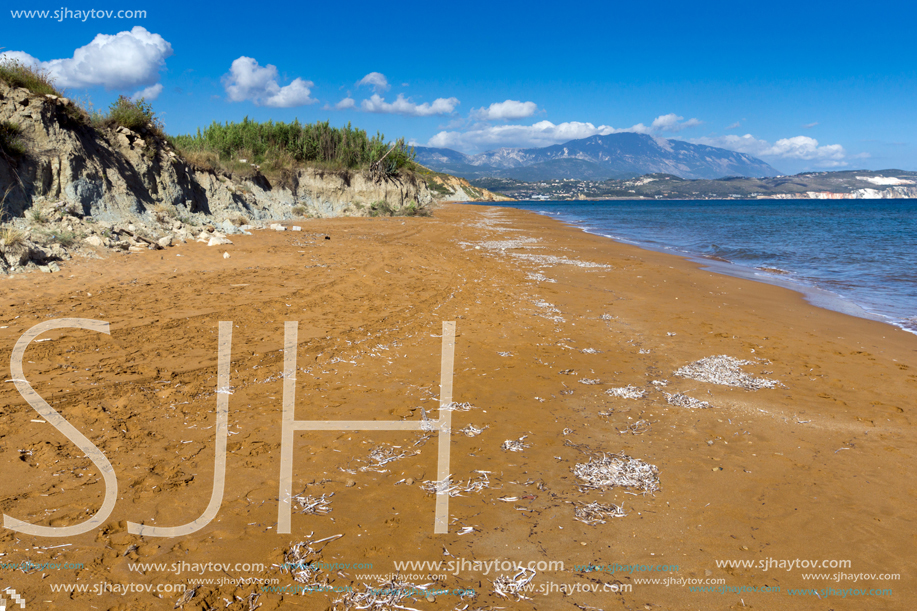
point(377, 171)
point(136, 236)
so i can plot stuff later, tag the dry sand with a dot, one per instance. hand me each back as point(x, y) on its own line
point(820, 467)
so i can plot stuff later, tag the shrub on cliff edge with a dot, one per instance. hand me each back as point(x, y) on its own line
point(132, 114)
point(17, 74)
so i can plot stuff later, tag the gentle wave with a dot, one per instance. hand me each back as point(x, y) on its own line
point(863, 252)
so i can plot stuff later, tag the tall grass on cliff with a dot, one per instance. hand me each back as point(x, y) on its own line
point(17, 74)
point(11, 145)
point(132, 114)
point(276, 146)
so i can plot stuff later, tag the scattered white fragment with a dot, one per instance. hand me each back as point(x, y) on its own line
point(515, 446)
point(682, 400)
point(596, 513)
point(724, 370)
point(618, 470)
point(627, 392)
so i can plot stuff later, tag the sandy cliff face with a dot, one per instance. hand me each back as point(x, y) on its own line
point(116, 175)
point(448, 188)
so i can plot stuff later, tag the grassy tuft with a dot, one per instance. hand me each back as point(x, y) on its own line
point(132, 114)
point(11, 144)
point(38, 215)
point(17, 74)
point(66, 238)
point(10, 237)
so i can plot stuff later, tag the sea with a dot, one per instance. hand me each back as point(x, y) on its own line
point(853, 256)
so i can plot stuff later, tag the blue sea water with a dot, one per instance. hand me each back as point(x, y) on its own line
point(855, 256)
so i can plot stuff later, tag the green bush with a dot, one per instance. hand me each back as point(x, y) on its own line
point(66, 238)
point(277, 145)
point(10, 142)
point(132, 114)
point(17, 74)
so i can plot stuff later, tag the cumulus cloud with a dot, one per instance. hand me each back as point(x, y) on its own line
point(672, 123)
point(404, 106)
point(347, 102)
point(376, 80)
point(799, 147)
point(149, 93)
point(125, 60)
point(543, 133)
point(247, 80)
point(510, 109)
point(803, 147)
point(21, 57)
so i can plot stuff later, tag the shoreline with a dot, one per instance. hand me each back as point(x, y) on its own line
point(548, 320)
point(816, 295)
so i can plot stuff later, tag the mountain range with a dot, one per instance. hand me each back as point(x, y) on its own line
point(619, 156)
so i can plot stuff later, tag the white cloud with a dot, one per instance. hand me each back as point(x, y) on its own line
point(803, 147)
point(735, 125)
point(672, 123)
point(149, 94)
point(798, 147)
point(810, 125)
point(664, 123)
point(376, 80)
point(404, 106)
point(543, 133)
point(510, 109)
point(125, 60)
point(344, 104)
point(249, 81)
point(21, 57)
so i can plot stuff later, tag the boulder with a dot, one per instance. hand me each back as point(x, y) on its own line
point(216, 241)
point(165, 242)
point(94, 240)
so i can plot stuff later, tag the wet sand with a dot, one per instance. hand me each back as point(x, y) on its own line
point(819, 468)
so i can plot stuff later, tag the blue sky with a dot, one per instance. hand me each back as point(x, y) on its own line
point(804, 86)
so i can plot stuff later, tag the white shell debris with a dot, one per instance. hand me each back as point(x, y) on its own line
point(387, 595)
point(592, 381)
point(314, 506)
point(472, 431)
point(515, 446)
point(455, 489)
point(724, 370)
point(457, 407)
point(682, 400)
point(596, 513)
point(627, 392)
point(618, 470)
point(554, 260)
point(383, 454)
point(514, 586)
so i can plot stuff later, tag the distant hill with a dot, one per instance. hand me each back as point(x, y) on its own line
point(846, 184)
point(615, 156)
